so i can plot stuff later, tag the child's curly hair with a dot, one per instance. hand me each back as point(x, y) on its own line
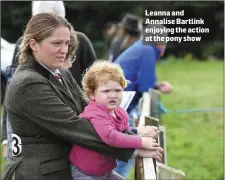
point(101, 72)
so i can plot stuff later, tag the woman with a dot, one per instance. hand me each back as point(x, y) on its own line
point(43, 109)
point(58, 8)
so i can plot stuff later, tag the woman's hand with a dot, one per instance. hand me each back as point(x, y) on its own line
point(147, 131)
point(155, 154)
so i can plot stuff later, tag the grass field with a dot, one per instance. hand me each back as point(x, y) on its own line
point(194, 140)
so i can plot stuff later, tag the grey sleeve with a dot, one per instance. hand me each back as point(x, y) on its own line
point(4, 130)
point(49, 112)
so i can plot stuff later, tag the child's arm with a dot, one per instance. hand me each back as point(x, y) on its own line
point(108, 134)
point(129, 130)
point(143, 131)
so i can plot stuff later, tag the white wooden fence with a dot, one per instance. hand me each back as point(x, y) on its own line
point(151, 169)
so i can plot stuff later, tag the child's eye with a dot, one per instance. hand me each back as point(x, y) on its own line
point(118, 90)
point(106, 91)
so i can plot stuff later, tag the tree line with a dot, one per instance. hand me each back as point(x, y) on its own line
point(91, 18)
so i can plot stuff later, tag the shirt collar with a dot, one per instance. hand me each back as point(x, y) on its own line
point(56, 71)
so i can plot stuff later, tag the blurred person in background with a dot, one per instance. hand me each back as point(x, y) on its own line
point(83, 57)
point(129, 31)
point(139, 65)
point(109, 33)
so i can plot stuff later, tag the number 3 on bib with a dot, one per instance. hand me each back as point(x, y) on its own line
point(16, 145)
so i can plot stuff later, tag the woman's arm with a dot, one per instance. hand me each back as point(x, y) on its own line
point(37, 102)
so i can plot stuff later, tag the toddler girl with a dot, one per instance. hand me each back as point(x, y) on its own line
point(103, 84)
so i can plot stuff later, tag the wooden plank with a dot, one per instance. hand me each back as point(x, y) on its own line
point(162, 140)
point(149, 169)
point(166, 172)
point(137, 170)
point(155, 98)
point(154, 120)
point(148, 165)
point(146, 105)
point(151, 121)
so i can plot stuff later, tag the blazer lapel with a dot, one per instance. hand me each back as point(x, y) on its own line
point(72, 92)
point(69, 89)
point(47, 74)
point(59, 85)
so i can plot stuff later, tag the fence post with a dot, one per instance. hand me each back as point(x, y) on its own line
point(163, 171)
point(162, 143)
point(148, 165)
point(155, 99)
point(137, 170)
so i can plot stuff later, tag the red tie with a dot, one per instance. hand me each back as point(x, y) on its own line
point(57, 76)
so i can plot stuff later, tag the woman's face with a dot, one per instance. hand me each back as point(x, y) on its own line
point(52, 51)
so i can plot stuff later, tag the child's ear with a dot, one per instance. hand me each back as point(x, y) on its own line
point(92, 97)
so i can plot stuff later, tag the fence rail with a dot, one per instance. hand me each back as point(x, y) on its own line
point(152, 169)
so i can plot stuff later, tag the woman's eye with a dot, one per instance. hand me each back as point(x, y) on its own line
point(57, 43)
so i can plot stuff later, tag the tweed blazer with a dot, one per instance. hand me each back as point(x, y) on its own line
point(43, 114)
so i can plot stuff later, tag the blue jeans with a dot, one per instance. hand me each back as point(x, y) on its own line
point(124, 168)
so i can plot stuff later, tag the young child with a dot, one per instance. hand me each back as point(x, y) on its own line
point(103, 84)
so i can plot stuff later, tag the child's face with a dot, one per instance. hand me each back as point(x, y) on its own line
point(109, 94)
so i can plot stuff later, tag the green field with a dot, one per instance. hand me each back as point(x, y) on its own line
point(194, 140)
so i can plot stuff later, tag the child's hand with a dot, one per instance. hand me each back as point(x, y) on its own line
point(149, 143)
